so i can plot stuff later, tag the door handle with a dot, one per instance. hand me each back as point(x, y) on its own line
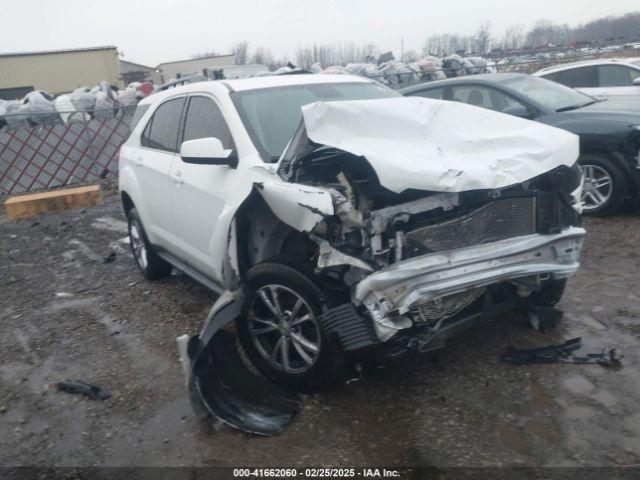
point(138, 162)
point(177, 178)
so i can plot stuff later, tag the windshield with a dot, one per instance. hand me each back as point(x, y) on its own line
point(272, 115)
point(550, 95)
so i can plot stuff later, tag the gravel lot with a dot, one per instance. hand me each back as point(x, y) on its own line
point(67, 315)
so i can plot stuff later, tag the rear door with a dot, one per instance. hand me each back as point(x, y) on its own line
point(199, 192)
point(616, 81)
point(152, 163)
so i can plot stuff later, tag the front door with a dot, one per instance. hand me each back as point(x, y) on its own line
point(199, 192)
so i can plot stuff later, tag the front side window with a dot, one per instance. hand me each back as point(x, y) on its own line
point(616, 75)
point(161, 133)
point(271, 115)
point(204, 119)
point(583, 77)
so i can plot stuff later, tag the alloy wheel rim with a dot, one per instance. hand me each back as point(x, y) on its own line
point(284, 329)
point(137, 245)
point(597, 187)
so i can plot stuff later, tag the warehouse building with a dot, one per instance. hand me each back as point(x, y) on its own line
point(181, 68)
point(136, 72)
point(57, 71)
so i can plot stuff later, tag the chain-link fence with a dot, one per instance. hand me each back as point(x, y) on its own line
point(58, 154)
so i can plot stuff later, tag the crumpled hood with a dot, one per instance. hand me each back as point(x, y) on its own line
point(424, 144)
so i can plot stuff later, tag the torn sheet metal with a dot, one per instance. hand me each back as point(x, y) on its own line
point(300, 206)
point(434, 275)
point(572, 351)
point(220, 382)
point(441, 146)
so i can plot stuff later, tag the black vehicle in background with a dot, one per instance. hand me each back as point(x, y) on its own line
point(609, 130)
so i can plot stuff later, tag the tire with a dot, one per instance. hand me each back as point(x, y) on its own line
point(150, 264)
point(550, 294)
point(596, 168)
point(305, 368)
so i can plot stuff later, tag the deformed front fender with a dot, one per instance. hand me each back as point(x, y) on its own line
point(301, 207)
point(219, 381)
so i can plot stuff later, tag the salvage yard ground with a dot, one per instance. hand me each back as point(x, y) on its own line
point(66, 314)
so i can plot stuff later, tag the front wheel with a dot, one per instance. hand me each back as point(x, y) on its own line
point(281, 332)
point(605, 186)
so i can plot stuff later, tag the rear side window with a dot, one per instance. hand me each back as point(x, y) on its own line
point(616, 75)
point(435, 93)
point(583, 77)
point(204, 119)
point(161, 132)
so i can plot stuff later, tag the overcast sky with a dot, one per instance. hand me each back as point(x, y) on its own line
point(151, 32)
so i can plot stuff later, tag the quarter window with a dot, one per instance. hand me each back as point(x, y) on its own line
point(204, 119)
point(161, 132)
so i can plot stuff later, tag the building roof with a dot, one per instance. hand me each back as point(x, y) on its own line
point(136, 64)
point(50, 52)
point(197, 58)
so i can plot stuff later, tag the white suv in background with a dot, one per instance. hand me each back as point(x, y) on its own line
point(603, 78)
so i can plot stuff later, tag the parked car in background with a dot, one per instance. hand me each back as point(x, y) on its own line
point(609, 130)
point(602, 78)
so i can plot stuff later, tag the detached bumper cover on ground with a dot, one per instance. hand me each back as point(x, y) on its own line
point(219, 382)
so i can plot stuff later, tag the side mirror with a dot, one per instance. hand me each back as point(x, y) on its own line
point(517, 110)
point(207, 151)
point(637, 81)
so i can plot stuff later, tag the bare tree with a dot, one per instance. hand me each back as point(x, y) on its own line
point(483, 38)
point(411, 56)
point(327, 55)
point(263, 56)
point(513, 37)
point(240, 52)
point(210, 53)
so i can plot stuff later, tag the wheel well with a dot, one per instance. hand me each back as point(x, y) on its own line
point(127, 203)
point(262, 236)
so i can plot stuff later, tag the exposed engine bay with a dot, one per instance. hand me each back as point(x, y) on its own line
point(373, 228)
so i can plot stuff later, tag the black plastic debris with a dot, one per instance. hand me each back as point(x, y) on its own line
point(109, 258)
point(80, 388)
point(543, 319)
point(572, 351)
point(220, 384)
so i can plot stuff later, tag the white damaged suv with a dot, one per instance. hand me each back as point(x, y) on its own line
point(339, 218)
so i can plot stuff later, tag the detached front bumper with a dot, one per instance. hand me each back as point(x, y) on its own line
point(391, 293)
